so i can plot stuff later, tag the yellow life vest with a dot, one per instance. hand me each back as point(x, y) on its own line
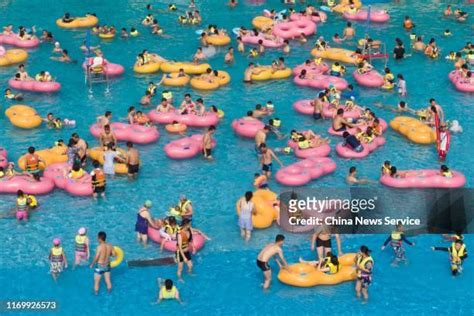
point(336, 68)
point(58, 124)
point(317, 61)
point(134, 33)
point(457, 254)
point(361, 262)
point(2, 174)
point(287, 150)
point(170, 230)
point(385, 169)
point(167, 295)
point(253, 53)
point(184, 205)
point(77, 174)
point(396, 235)
point(276, 122)
point(174, 211)
point(168, 95)
point(151, 89)
point(470, 56)
point(413, 37)
point(304, 144)
point(389, 77)
point(21, 201)
point(57, 254)
point(452, 57)
point(349, 103)
point(220, 113)
point(146, 58)
point(331, 3)
point(80, 243)
point(447, 174)
point(33, 202)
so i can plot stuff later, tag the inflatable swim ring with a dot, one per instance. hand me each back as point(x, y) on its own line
point(23, 116)
point(306, 275)
point(322, 82)
point(376, 16)
point(185, 148)
point(316, 69)
point(247, 127)
point(262, 22)
point(428, 178)
point(97, 153)
point(320, 151)
point(371, 79)
point(13, 56)
point(119, 254)
point(58, 172)
point(79, 22)
point(51, 155)
point(344, 5)
point(189, 68)
point(460, 83)
point(218, 40)
point(336, 54)
point(176, 128)
point(194, 120)
point(173, 80)
point(35, 86)
point(304, 171)
point(414, 130)
point(26, 184)
point(170, 245)
point(294, 29)
point(137, 134)
point(14, 40)
point(347, 152)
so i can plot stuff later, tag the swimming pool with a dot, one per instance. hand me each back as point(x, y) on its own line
point(226, 281)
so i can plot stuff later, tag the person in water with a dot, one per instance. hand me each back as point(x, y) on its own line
point(98, 180)
point(82, 247)
point(9, 95)
point(32, 162)
point(247, 209)
point(144, 220)
point(322, 240)
point(167, 291)
point(132, 160)
point(207, 142)
point(329, 264)
point(266, 254)
point(57, 259)
point(101, 262)
point(352, 141)
point(396, 240)
point(183, 254)
point(364, 267)
point(457, 254)
point(339, 123)
point(266, 160)
point(353, 179)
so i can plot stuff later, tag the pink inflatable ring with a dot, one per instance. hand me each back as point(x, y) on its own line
point(311, 68)
point(247, 127)
point(35, 86)
point(371, 79)
point(317, 17)
point(58, 173)
point(293, 29)
point(305, 107)
point(3, 157)
point(379, 16)
point(320, 151)
point(252, 39)
point(460, 83)
point(137, 134)
point(347, 152)
point(170, 245)
point(14, 40)
point(111, 69)
point(186, 147)
point(422, 179)
point(26, 184)
point(208, 119)
point(362, 126)
point(302, 172)
point(322, 82)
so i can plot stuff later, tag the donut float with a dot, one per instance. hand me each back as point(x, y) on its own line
point(427, 178)
point(23, 116)
point(35, 86)
point(134, 133)
point(247, 127)
point(346, 151)
point(304, 171)
point(185, 148)
point(58, 173)
point(14, 40)
point(194, 120)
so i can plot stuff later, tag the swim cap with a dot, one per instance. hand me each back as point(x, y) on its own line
point(56, 44)
point(148, 204)
point(82, 231)
point(56, 241)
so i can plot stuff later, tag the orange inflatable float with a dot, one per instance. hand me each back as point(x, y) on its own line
point(306, 275)
point(52, 155)
point(413, 129)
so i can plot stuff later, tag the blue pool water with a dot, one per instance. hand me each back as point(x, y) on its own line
point(226, 280)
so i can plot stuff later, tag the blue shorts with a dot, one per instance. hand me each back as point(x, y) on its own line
point(268, 167)
point(317, 116)
point(101, 269)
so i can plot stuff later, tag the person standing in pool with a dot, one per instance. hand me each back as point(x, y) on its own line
point(247, 209)
point(261, 137)
point(364, 267)
point(98, 180)
point(457, 254)
point(144, 219)
point(183, 255)
point(107, 137)
point(266, 159)
point(353, 179)
point(81, 248)
point(82, 146)
point(396, 240)
point(207, 142)
point(57, 259)
point(322, 239)
point(101, 262)
point(133, 161)
point(266, 254)
point(339, 123)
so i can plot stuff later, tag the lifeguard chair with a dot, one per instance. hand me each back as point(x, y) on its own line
point(96, 73)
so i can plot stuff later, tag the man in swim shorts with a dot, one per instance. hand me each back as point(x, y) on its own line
point(322, 239)
point(266, 254)
point(261, 137)
point(82, 146)
point(266, 158)
point(207, 142)
point(107, 137)
point(339, 123)
point(132, 160)
point(101, 262)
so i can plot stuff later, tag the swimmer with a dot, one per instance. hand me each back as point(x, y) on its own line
point(353, 179)
point(322, 240)
point(101, 262)
point(64, 57)
point(349, 32)
point(33, 164)
point(386, 167)
point(445, 171)
point(447, 32)
point(9, 95)
point(164, 106)
point(266, 254)
point(260, 138)
point(247, 210)
point(98, 180)
point(146, 99)
point(207, 141)
point(240, 45)
point(402, 86)
point(457, 254)
point(57, 259)
point(22, 206)
point(107, 137)
point(167, 291)
point(267, 155)
point(408, 23)
point(57, 48)
point(82, 247)
point(274, 125)
point(339, 123)
point(132, 160)
point(419, 45)
point(81, 146)
point(364, 267)
point(286, 47)
point(448, 11)
point(232, 3)
point(337, 39)
point(443, 142)
point(249, 71)
point(229, 56)
point(396, 240)
point(144, 220)
point(183, 255)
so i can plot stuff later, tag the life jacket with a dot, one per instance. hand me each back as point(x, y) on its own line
point(58, 124)
point(2, 174)
point(32, 201)
point(134, 33)
point(57, 254)
point(167, 95)
point(447, 174)
point(32, 162)
point(174, 211)
point(396, 239)
point(361, 262)
point(335, 68)
point(168, 295)
point(253, 53)
point(151, 89)
point(276, 122)
point(146, 58)
point(183, 205)
point(385, 169)
point(333, 269)
point(184, 239)
point(296, 137)
point(170, 230)
point(349, 103)
point(76, 174)
point(81, 243)
point(99, 180)
point(389, 77)
point(40, 78)
point(304, 144)
point(331, 3)
point(456, 254)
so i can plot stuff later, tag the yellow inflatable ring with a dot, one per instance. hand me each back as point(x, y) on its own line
point(13, 56)
point(266, 213)
point(147, 68)
point(263, 73)
point(173, 80)
point(118, 257)
point(189, 68)
point(106, 35)
point(204, 84)
point(176, 128)
point(223, 77)
point(52, 155)
point(218, 40)
point(282, 74)
point(262, 22)
point(23, 116)
point(79, 22)
point(345, 5)
point(336, 54)
point(306, 275)
point(414, 130)
point(97, 153)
